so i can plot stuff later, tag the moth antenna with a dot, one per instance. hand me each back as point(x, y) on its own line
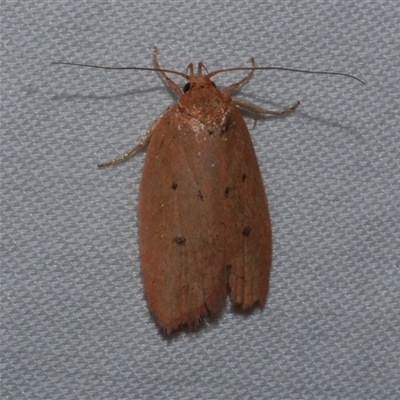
point(304, 71)
point(169, 71)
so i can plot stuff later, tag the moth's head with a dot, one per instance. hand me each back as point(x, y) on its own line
point(199, 80)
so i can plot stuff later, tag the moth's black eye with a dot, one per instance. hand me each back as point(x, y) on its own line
point(214, 84)
point(186, 87)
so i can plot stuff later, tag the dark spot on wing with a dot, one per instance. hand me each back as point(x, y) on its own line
point(179, 240)
point(174, 185)
point(246, 231)
point(244, 176)
point(200, 195)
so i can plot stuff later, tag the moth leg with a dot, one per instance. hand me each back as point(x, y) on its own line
point(170, 82)
point(144, 140)
point(234, 86)
point(258, 110)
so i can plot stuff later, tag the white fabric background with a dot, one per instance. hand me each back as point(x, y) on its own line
point(75, 322)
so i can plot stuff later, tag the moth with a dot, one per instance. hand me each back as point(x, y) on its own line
point(204, 226)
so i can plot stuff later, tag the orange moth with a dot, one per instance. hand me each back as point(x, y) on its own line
point(204, 225)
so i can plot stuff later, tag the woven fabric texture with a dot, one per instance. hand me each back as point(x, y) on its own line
point(74, 319)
